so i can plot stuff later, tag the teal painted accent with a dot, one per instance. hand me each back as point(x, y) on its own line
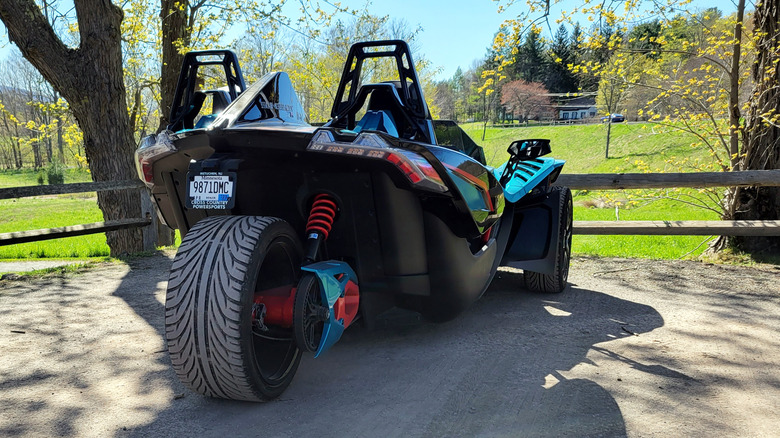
point(516, 188)
point(331, 290)
point(205, 121)
point(377, 121)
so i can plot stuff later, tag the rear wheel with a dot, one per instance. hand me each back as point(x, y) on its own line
point(213, 340)
point(556, 282)
point(309, 313)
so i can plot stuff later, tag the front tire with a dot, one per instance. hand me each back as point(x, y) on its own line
point(556, 282)
point(221, 263)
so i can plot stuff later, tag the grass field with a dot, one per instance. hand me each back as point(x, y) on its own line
point(29, 177)
point(49, 212)
point(581, 145)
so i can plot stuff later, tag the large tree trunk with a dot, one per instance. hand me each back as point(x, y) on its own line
point(762, 132)
point(90, 78)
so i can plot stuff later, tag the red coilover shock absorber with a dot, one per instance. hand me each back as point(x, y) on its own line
point(321, 217)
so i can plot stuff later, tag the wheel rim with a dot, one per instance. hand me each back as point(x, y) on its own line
point(308, 331)
point(275, 356)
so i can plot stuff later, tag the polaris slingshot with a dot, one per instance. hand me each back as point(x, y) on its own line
point(292, 232)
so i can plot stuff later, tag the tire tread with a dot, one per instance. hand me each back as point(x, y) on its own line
point(203, 306)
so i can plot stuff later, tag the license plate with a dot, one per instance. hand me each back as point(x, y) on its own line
point(211, 190)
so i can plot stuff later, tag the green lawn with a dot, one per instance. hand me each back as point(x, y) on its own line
point(29, 177)
point(49, 212)
point(583, 146)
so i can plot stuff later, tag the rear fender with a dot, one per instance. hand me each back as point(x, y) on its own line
point(534, 232)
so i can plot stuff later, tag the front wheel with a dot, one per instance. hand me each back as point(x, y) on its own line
point(556, 282)
point(211, 323)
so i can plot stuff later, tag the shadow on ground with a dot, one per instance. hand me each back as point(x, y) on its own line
point(493, 371)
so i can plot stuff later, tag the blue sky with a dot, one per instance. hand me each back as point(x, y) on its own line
point(457, 32)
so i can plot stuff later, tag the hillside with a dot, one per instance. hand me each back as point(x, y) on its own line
point(582, 146)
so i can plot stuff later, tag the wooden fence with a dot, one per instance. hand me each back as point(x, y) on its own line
point(148, 213)
point(574, 181)
point(624, 181)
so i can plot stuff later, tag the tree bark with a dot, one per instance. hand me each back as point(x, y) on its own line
point(761, 147)
point(175, 33)
point(90, 78)
point(734, 112)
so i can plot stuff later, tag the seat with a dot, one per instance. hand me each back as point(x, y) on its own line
point(377, 121)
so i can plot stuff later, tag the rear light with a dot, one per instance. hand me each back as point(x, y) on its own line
point(151, 149)
point(414, 166)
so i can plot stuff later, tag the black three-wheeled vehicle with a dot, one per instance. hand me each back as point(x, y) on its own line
point(291, 232)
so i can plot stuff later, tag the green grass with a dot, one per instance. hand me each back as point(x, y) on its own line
point(49, 212)
point(29, 177)
point(583, 146)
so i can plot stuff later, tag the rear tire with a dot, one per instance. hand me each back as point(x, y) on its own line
point(556, 282)
point(219, 266)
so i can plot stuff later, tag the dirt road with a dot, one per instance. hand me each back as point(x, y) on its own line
point(634, 348)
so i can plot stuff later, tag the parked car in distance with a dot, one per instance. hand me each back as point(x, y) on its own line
point(616, 118)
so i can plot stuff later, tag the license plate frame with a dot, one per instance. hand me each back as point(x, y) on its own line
point(211, 190)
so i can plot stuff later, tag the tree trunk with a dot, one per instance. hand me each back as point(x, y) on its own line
point(20, 163)
point(761, 147)
point(609, 134)
point(734, 112)
point(38, 161)
point(60, 140)
point(90, 78)
point(175, 33)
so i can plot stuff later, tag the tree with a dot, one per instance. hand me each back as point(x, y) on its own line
point(526, 99)
point(559, 78)
point(762, 130)
point(530, 63)
point(445, 100)
point(700, 80)
point(89, 77)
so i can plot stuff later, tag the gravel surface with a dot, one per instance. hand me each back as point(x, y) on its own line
point(633, 348)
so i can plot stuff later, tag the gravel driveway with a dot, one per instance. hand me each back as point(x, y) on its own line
point(633, 348)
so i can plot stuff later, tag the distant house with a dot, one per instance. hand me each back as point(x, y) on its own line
point(574, 106)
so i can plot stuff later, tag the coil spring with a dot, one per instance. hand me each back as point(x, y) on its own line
point(322, 215)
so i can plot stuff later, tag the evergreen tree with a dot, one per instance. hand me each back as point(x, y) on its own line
point(558, 78)
point(642, 38)
point(530, 62)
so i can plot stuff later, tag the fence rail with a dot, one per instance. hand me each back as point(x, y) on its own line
point(618, 181)
point(59, 189)
point(678, 228)
point(147, 210)
point(70, 231)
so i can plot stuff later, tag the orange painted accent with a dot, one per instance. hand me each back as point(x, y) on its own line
point(346, 307)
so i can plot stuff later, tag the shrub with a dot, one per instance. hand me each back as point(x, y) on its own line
point(55, 173)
